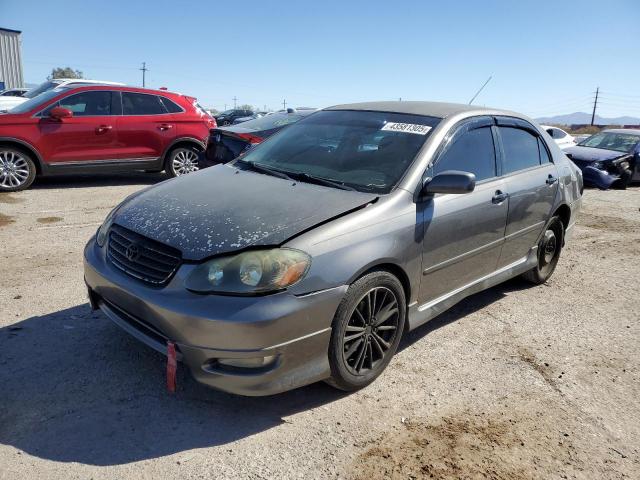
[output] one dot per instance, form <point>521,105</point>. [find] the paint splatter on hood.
<point>222,209</point>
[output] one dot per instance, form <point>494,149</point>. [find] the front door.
<point>145,128</point>
<point>88,136</point>
<point>531,183</point>
<point>463,233</point>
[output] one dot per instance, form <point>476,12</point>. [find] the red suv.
<point>101,128</point>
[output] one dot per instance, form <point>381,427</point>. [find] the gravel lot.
<point>517,382</point>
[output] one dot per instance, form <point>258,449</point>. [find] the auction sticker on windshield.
<point>407,128</point>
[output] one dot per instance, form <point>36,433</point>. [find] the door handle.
<point>103,128</point>
<point>551,180</point>
<point>499,197</point>
<point>164,126</point>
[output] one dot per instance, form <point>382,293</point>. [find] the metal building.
<point>10,59</point>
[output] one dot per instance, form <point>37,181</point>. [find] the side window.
<point>557,133</point>
<point>90,103</point>
<point>520,149</point>
<point>473,152</point>
<point>141,104</point>
<point>170,105</point>
<point>544,154</point>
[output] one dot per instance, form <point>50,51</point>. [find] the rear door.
<point>531,183</point>
<point>463,233</point>
<point>145,128</point>
<point>89,135</point>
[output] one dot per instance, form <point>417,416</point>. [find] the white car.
<point>7,103</point>
<point>562,138</point>
<point>13,92</point>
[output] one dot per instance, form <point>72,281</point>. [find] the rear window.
<point>170,105</point>
<point>368,151</point>
<point>141,104</point>
<point>520,149</point>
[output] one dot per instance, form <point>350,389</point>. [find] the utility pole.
<point>284,104</point>
<point>235,102</point>
<point>144,71</point>
<point>595,104</point>
<point>225,106</point>
<point>481,88</point>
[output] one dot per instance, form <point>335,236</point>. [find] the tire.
<point>182,160</point>
<point>362,345</point>
<point>549,249</point>
<point>17,170</point>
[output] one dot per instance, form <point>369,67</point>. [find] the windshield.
<point>226,112</point>
<point>36,101</point>
<point>368,151</point>
<point>620,142</point>
<point>272,121</point>
<point>43,87</point>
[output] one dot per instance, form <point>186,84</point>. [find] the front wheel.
<point>183,160</point>
<point>366,330</point>
<point>549,249</point>
<point>17,170</point>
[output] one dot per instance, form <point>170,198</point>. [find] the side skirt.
<point>421,314</point>
<point>101,166</point>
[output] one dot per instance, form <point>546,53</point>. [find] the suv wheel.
<point>366,330</point>
<point>17,170</point>
<point>183,160</point>
<point>548,252</point>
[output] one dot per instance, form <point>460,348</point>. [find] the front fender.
<point>598,178</point>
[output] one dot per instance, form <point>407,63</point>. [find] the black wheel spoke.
<point>371,330</point>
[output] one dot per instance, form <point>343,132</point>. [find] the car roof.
<point>85,80</point>
<point>124,88</point>
<point>431,109</point>
<point>632,131</point>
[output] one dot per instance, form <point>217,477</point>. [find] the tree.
<point>66,72</point>
<point>246,106</point>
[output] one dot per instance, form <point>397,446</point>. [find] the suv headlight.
<point>250,272</point>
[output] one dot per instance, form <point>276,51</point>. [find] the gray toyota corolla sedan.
<point>310,255</point>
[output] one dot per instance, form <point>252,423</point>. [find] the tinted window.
<point>141,104</point>
<point>544,154</point>
<point>520,149</point>
<point>87,103</point>
<point>171,106</point>
<point>557,133</point>
<point>473,152</point>
<point>621,142</point>
<point>369,151</point>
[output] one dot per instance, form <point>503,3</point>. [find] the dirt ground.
<point>517,382</point>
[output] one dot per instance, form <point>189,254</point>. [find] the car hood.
<point>588,154</point>
<point>223,209</point>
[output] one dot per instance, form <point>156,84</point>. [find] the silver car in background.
<point>310,255</point>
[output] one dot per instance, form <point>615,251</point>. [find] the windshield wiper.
<point>322,181</point>
<point>258,167</point>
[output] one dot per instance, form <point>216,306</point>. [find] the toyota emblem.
<point>132,252</point>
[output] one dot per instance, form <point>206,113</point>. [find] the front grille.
<point>142,258</point>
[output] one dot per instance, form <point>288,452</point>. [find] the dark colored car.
<point>308,257</point>
<point>227,143</point>
<point>229,116</point>
<point>608,159</point>
<point>100,128</point>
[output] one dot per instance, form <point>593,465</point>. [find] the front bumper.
<point>295,330</point>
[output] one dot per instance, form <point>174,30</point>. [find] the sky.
<point>544,57</point>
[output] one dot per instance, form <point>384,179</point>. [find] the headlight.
<point>103,230</point>
<point>596,164</point>
<point>254,271</point>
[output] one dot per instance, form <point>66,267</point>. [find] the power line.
<point>144,71</point>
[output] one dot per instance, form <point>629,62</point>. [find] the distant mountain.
<point>580,118</point>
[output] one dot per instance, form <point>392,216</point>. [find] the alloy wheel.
<point>371,330</point>
<point>185,161</point>
<point>14,169</point>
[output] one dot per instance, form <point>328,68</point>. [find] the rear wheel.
<point>367,329</point>
<point>17,170</point>
<point>549,249</point>
<point>183,160</point>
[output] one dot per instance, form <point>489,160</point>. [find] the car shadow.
<point>98,180</point>
<point>75,388</point>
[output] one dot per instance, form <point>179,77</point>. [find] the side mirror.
<point>60,112</point>
<point>450,181</point>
